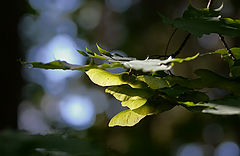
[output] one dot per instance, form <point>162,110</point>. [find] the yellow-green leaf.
<point>104,78</point>
<point>131,97</point>
<point>153,82</point>
<point>126,118</point>
<point>180,60</point>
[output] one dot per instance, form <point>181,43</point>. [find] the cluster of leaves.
<point>152,91</point>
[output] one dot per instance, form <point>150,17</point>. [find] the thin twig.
<point>175,30</point>
<point>158,56</point>
<point>182,45</point>
<point>226,46</point>
<point>222,38</point>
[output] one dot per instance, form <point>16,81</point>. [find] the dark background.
<point>147,35</point>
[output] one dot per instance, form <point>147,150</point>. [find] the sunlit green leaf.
<point>205,21</point>
<point>104,52</point>
<point>126,118</point>
<point>130,97</point>
<point>153,82</point>
<point>180,60</point>
<point>225,55</point>
<point>82,53</point>
<point>104,78</point>
<point>89,51</point>
<point>233,65</point>
<point>132,117</point>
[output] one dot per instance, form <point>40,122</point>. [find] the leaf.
<point>225,55</point>
<point>132,117</point>
<point>195,107</point>
<point>82,53</point>
<point>104,78</point>
<point>126,118</point>
<point>235,71</point>
<point>104,52</point>
<point>89,51</point>
<point>229,100</point>
<point>229,105</point>
<point>67,66</point>
<point>183,94</point>
<point>149,65</point>
<point>153,82</point>
<point>204,21</point>
<point>131,97</point>
<point>154,65</point>
<point>207,79</point>
<point>222,110</point>
<point>175,91</point>
<point>156,104</point>
<point>134,102</point>
<point>180,60</point>
<point>233,65</point>
<point>210,79</point>
<point>193,96</point>
<point>51,65</point>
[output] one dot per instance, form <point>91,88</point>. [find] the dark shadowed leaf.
<point>207,79</point>
<point>24,144</point>
<point>153,82</point>
<point>205,21</point>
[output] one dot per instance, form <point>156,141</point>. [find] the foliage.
<point>205,21</point>
<point>21,143</point>
<point>147,89</point>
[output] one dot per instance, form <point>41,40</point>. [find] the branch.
<point>226,46</point>
<point>222,38</point>
<point>158,56</point>
<point>175,30</point>
<point>182,45</point>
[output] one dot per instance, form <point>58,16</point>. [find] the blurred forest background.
<point>76,112</point>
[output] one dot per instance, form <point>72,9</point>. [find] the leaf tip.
<point>89,51</point>
<point>102,51</point>
<point>82,52</point>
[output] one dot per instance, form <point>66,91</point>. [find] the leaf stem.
<point>226,46</point>
<point>158,56</point>
<point>182,45</point>
<point>175,30</point>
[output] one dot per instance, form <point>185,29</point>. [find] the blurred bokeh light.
<point>77,111</point>
<point>190,150</point>
<point>227,148</point>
